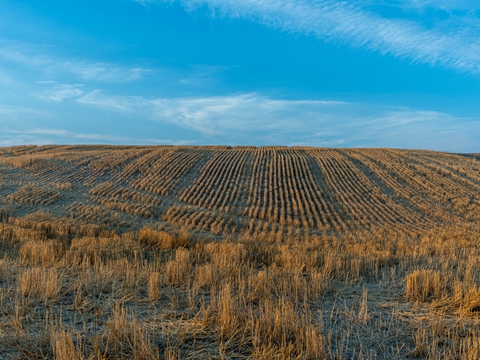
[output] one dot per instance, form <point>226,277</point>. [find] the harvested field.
<point>238,253</point>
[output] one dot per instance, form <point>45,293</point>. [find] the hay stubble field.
<point>111,252</point>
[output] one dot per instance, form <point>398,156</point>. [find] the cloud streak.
<point>61,92</point>
<point>250,119</point>
<point>261,120</point>
<point>43,136</point>
<point>121,103</point>
<point>360,27</point>
<point>442,4</point>
<point>39,57</point>
<point>237,113</point>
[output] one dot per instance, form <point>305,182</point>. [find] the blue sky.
<point>371,73</point>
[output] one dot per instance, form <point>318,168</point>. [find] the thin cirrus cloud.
<point>222,115</point>
<point>98,71</point>
<point>273,121</point>
<point>253,118</point>
<point>12,114</point>
<point>122,103</point>
<point>41,58</point>
<point>258,119</point>
<point>61,92</point>
<point>217,115</point>
<point>443,4</point>
<point>446,5</point>
<point>404,127</point>
<point>41,136</point>
<point>353,23</point>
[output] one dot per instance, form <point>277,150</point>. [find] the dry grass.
<point>365,296</point>
<point>38,283</point>
<point>243,253</point>
<point>423,285</point>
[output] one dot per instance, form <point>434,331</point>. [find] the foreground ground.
<point>271,253</point>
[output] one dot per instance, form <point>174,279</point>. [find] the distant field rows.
<point>274,191</point>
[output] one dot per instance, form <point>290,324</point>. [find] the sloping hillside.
<point>238,253</point>
<point>243,190</point>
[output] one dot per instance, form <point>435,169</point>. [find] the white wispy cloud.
<point>32,55</point>
<point>201,75</point>
<point>42,136</point>
<point>98,71</point>
<point>61,92</point>
<point>10,113</point>
<point>397,127</point>
<point>39,131</point>
<point>122,103</point>
<point>360,27</point>
<point>230,114</point>
<point>262,120</point>
<point>218,115</point>
<point>443,4</point>
<point>40,57</point>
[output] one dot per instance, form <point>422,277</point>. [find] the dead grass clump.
<point>102,249</point>
<point>226,309</point>
<point>466,298</point>
<point>227,257</point>
<point>96,281</point>
<point>45,253</point>
<point>425,285</point>
<point>64,348</point>
<point>7,270</point>
<point>261,286</point>
<point>154,239</point>
<point>258,253</point>
<point>41,283</point>
<point>320,284</point>
<point>292,260</point>
<point>442,338</point>
<point>178,271</point>
<point>127,338</point>
<point>269,329</point>
<point>206,275</point>
<point>469,348</point>
<point>154,286</point>
<point>133,274</point>
<point>279,326</point>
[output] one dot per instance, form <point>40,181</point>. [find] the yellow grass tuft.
<point>39,283</point>
<point>154,285</point>
<point>425,285</point>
